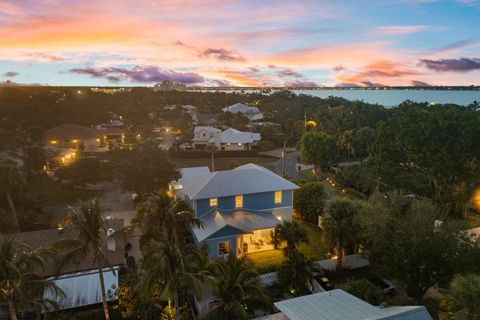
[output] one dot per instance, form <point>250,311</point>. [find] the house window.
<point>223,248</point>
<point>238,201</point>
<point>213,202</point>
<point>278,196</point>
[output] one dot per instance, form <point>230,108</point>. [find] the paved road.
<point>291,160</point>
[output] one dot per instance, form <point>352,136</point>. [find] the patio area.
<point>270,260</point>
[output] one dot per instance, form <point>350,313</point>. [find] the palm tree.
<point>296,274</point>
<point>170,264</point>
<point>339,225</point>
<point>12,179</point>
<point>293,233</point>
<point>238,289</point>
<point>162,218</point>
<point>91,226</point>
<point>21,286</point>
<point>174,271</point>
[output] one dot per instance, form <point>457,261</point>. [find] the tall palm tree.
<point>21,286</point>
<point>12,179</point>
<point>293,233</point>
<point>170,264</point>
<point>238,289</point>
<point>91,226</point>
<point>162,218</point>
<point>339,225</point>
<point>173,271</point>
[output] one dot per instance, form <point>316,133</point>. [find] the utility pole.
<point>283,157</point>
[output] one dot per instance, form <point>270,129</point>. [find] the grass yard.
<point>224,163</point>
<point>269,261</point>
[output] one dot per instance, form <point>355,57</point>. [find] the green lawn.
<point>269,261</point>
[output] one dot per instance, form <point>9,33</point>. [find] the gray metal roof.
<point>340,305</point>
<point>235,136</point>
<point>246,179</point>
<point>245,221</point>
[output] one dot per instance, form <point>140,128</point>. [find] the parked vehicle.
<point>321,284</point>
<point>383,284</point>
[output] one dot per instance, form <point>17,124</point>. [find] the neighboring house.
<point>80,280</point>
<point>252,113</point>
<point>230,139</point>
<point>233,139</point>
<point>340,305</point>
<point>206,118</point>
<point>202,135</point>
<point>239,207</point>
<point>74,136</point>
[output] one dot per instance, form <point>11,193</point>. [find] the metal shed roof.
<point>340,305</point>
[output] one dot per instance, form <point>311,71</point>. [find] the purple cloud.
<point>45,57</point>
<point>346,85</point>
<point>372,84</point>
<point>11,74</point>
<point>301,84</point>
<point>9,83</point>
<point>221,83</point>
<point>338,68</point>
<point>417,83</point>
<point>222,54</point>
<point>287,72</point>
<point>142,74</point>
<point>458,65</point>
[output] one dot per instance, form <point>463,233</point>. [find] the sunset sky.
<point>240,43</point>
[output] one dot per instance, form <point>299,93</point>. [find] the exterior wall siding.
<point>213,245</point>
<point>254,201</point>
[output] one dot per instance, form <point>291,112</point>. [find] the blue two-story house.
<point>239,207</point>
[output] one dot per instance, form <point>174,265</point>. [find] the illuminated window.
<point>223,248</point>
<point>238,201</point>
<point>278,196</point>
<point>53,141</point>
<point>213,202</point>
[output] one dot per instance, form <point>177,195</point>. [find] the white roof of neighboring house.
<point>340,305</point>
<point>255,117</point>
<point>240,107</point>
<point>246,179</point>
<point>207,128</point>
<point>243,220</point>
<point>83,288</point>
<point>235,136</point>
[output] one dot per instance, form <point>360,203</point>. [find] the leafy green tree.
<point>319,149</point>
<point>361,141</point>
<point>309,201</point>
<point>142,170</point>
<point>238,289</point>
<point>21,285</point>
<point>339,225</point>
<point>362,289</point>
<point>92,227</point>
<point>430,150</point>
<point>292,232</point>
<point>403,242</point>
<point>296,274</point>
<point>84,171</point>
<point>12,180</point>
<point>465,292</point>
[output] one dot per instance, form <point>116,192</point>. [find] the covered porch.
<point>256,241</point>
